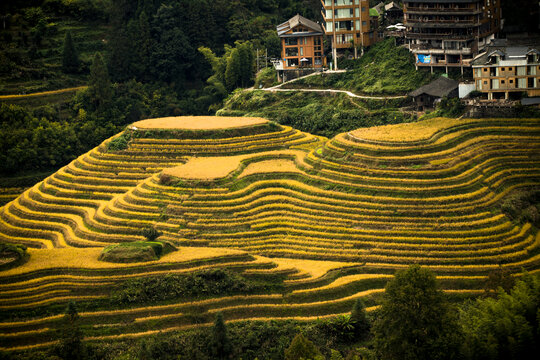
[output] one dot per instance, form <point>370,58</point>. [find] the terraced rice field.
<point>335,217</point>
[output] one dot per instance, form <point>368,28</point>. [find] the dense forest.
<point>140,59</point>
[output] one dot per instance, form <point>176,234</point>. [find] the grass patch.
<point>319,114</point>
<point>385,69</point>
<point>204,283</point>
<point>137,251</point>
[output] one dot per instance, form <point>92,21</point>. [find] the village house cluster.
<point>441,34</point>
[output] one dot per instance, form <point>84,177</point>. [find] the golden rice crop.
<point>198,122</point>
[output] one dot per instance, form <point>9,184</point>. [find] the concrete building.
<point>450,33</point>
<point>505,71</point>
<point>347,22</point>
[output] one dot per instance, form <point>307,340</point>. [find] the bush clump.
<point>523,206</point>
<point>210,282</point>
<point>120,143</point>
<point>12,255</point>
<point>137,251</point>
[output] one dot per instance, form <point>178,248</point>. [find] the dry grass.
<point>198,122</point>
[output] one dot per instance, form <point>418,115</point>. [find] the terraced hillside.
<point>331,220</point>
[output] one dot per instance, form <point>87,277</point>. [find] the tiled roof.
<point>439,87</point>
<point>298,20</point>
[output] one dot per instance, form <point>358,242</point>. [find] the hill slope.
<point>332,219</point>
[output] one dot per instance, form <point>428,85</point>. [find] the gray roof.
<point>379,7</point>
<point>502,48</point>
<point>299,20</point>
<point>439,87</point>
<point>391,5</point>
<point>530,101</point>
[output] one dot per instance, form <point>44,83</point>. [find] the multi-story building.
<point>347,22</point>
<point>450,33</point>
<point>301,46</point>
<point>503,71</point>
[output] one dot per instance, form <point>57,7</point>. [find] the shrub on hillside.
<point>210,282</point>
<point>12,255</point>
<point>138,251</point>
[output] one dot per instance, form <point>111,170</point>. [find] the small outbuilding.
<point>426,96</point>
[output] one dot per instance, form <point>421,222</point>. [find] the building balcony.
<point>441,10</point>
<point>437,36</point>
<point>417,23</point>
<point>418,48</point>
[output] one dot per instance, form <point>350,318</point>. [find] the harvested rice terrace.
<point>334,218</point>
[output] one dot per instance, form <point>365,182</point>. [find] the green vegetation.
<point>504,327</point>
<point>302,349</point>
<point>198,284</point>
<point>383,70</point>
<point>221,344</point>
<point>71,346</point>
<point>523,206</point>
<point>415,321</point>
<point>266,78</point>
<point>12,255</point>
<point>319,114</point>
<point>137,251</point>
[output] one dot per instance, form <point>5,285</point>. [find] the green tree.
<point>144,47</point>
<point>150,233</point>
<point>415,321</point>
<point>70,58</point>
<point>302,349</point>
<point>359,319</point>
<point>233,70</point>
<point>71,346</point>
<point>335,355</point>
<point>506,327</point>
<point>221,344</point>
<point>99,86</point>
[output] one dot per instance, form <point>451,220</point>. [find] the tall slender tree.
<point>70,58</point>
<point>221,344</point>
<point>71,346</point>
<point>99,86</point>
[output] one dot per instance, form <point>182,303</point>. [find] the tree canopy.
<point>415,321</point>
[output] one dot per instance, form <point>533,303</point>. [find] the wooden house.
<point>301,44</point>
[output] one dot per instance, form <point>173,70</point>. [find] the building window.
<point>522,70</point>
<point>502,69</point>
<point>522,83</point>
<point>510,68</point>
<point>502,81</point>
<point>485,82</point>
<point>302,51</point>
<point>291,52</point>
<point>292,62</point>
<point>291,41</point>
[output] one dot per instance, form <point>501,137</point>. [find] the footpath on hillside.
<point>349,93</point>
